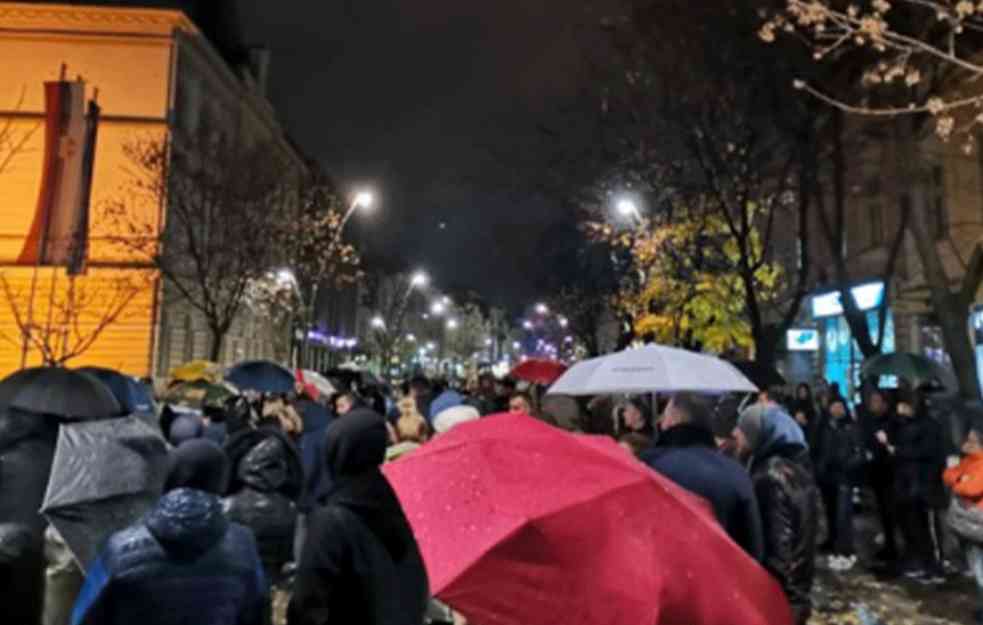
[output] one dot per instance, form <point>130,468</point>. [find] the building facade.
<point>157,76</point>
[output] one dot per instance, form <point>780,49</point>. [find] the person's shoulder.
<point>130,547</point>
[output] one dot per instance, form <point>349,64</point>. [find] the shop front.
<point>840,355</point>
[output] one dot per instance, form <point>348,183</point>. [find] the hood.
<point>775,439</point>
<point>264,467</point>
<point>187,522</point>
<point>355,444</point>
<point>265,460</point>
<point>370,497</point>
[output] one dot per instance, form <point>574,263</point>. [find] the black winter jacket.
<point>688,456</point>
<point>267,480</point>
<point>843,453</point>
<point>880,470</point>
<point>361,563</point>
<point>919,460</point>
<point>787,494</point>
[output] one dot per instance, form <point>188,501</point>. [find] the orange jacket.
<point>966,478</point>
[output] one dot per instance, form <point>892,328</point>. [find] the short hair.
<point>526,397</point>
<point>697,409</point>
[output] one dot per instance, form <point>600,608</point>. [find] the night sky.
<point>424,100</point>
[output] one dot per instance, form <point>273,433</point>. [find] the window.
<point>940,214</point>
<point>876,215</point>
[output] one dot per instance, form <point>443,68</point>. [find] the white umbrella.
<point>323,386</point>
<point>652,369</point>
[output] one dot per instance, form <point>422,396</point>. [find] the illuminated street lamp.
<point>542,309</point>
<point>527,324</point>
<point>378,323</point>
<point>452,324</point>
<point>627,208</point>
<point>564,322</point>
<point>411,338</point>
<point>516,345</point>
<point>419,279</point>
<point>438,308</point>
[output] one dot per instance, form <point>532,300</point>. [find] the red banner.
<point>62,208</point>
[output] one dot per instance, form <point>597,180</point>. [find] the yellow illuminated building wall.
<point>155,74</point>
<point>128,56</point>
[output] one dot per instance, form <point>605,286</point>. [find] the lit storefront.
<point>840,356</point>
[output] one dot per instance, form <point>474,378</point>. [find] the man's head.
<point>343,403</point>
<point>198,464</point>
<point>520,403</point>
<point>419,386</point>
<point>837,409</point>
<point>876,403</point>
<point>973,443</point>
<point>689,409</point>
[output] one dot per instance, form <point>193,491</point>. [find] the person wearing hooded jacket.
<point>361,563</point>
<point>781,472</point>
<point>184,562</point>
<point>266,482</point>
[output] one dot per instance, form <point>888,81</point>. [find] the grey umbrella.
<point>71,395</point>
<point>106,474</point>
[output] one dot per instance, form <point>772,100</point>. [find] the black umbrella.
<point>762,376</point>
<point>261,375</point>
<point>71,395</point>
<point>134,397</point>
<point>105,476</point>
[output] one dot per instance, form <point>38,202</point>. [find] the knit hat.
<point>198,464</point>
<point>752,423</point>
<point>185,428</point>
<point>453,417</point>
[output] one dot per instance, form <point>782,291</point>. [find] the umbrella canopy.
<point>318,381</point>
<point>70,395</point>
<point>198,394</point>
<point>917,370</point>
<point>262,376</point>
<point>106,474</point>
<point>571,528</point>
<point>134,397</point>
<point>538,371</point>
<point>652,369</point>
<point>762,376</point>
<point>197,370</point>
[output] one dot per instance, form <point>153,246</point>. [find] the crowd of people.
<point>266,491</point>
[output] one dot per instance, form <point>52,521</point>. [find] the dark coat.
<point>842,453</point>
<point>687,455</point>
<point>786,490</point>
<point>27,448</point>
<point>184,563</point>
<point>880,469</point>
<point>919,460</point>
<point>316,421</point>
<point>267,480</point>
<point>361,563</point>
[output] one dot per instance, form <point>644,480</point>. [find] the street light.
<point>363,199</point>
<point>411,338</point>
<point>378,322</point>
<point>527,324</point>
<point>438,308</point>
<point>286,277</point>
<point>542,309</point>
<point>452,324</point>
<point>564,322</point>
<point>419,279</point>
<point>627,208</point>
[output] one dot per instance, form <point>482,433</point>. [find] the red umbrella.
<point>523,524</point>
<point>538,371</point>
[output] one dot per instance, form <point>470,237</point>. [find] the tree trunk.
<point>217,342</point>
<point>766,347</point>
<point>951,308</point>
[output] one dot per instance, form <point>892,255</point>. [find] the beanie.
<point>198,464</point>
<point>751,424</point>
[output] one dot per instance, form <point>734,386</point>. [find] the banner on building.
<point>59,230</point>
